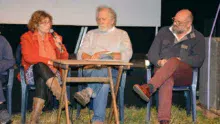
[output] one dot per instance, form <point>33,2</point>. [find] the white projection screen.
<point>143,13</point>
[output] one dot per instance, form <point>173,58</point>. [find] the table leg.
<point>63,96</point>
<point>116,91</point>
<point>113,96</point>
<point>67,109</point>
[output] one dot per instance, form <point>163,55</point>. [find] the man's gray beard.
<point>102,29</point>
<point>176,31</point>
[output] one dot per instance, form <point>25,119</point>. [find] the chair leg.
<point>68,91</point>
<point>193,98</point>
<point>121,105</point>
<point>121,96</point>
<point>148,111</point>
<point>9,90</point>
<point>68,97</point>
<point>149,106</point>
<point>188,102</point>
<point>9,99</point>
<point>24,98</point>
<point>148,77</point>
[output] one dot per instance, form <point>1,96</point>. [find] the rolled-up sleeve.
<point>85,46</point>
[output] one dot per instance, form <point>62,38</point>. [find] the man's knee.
<point>174,61</point>
<point>105,86</point>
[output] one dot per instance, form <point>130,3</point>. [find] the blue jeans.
<point>100,91</point>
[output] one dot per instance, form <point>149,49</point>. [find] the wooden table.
<point>65,64</point>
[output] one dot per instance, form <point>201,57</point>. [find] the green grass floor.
<point>133,115</point>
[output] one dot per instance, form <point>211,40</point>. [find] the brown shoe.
<point>83,97</point>
<point>38,105</point>
<point>164,122</point>
<point>143,91</point>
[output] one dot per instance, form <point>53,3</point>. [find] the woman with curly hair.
<point>39,47</point>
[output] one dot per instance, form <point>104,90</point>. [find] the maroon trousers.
<point>174,72</point>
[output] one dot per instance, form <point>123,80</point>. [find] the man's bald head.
<point>182,21</point>
<point>185,15</point>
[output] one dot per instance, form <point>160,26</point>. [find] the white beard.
<point>104,29</point>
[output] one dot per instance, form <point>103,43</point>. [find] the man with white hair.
<point>106,42</point>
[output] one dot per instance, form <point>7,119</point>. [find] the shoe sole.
<point>140,93</point>
<point>80,99</point>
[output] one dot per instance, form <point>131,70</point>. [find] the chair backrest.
<point>195,77</point>
<point>193,85</point>
<point>18,55</point>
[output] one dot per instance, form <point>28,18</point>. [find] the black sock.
<point>151,86</point>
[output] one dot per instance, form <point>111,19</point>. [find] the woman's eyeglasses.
<point>45,22</point>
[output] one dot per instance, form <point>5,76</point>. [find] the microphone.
<point>54,35</point>
<point>52,32</point>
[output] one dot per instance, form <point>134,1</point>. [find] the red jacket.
<point>30,50</point>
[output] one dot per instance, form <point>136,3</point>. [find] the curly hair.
<point>110,10</point>
<point>36,18</point>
